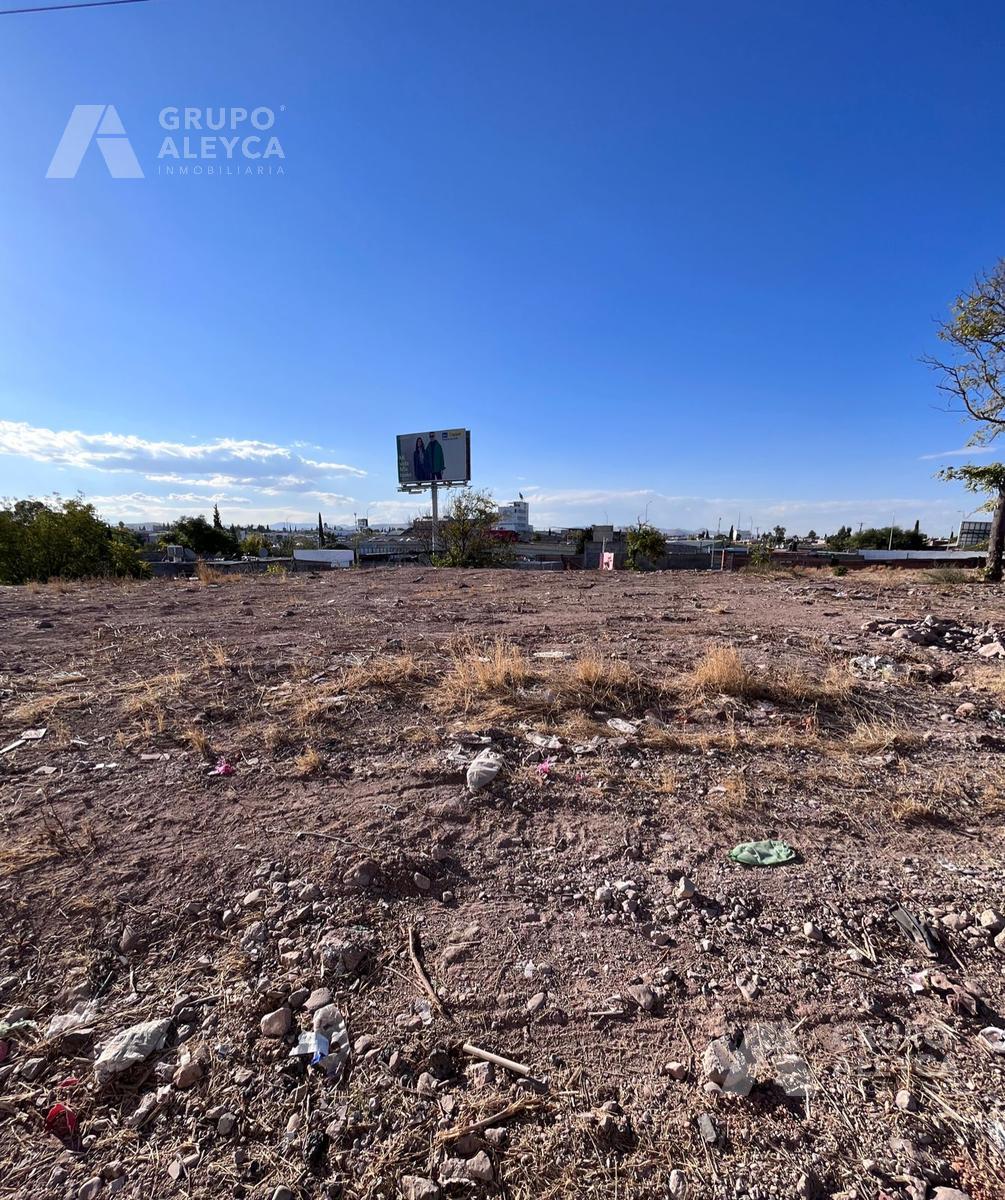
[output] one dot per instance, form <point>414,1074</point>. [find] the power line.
<point>12,12</point>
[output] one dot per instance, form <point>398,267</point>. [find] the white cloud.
<point>580,507</point>
<point>220,462</point>
<point>963,452</point>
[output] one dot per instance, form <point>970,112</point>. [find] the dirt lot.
<point>250,790</point>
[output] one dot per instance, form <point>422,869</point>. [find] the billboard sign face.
<point>442,456</point>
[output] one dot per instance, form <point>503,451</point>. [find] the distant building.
<point>973,533</point>
<point>515,517</point>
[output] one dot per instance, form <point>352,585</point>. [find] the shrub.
<point>646,546</point>
<point>42,540</point>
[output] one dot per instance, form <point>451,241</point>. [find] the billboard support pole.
<point>434,488</point>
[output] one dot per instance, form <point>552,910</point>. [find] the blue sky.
<point>654,254</point>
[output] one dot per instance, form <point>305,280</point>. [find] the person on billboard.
<point>434,458</point>
<point>420,461</point>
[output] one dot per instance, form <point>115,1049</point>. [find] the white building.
<point>515,517</point>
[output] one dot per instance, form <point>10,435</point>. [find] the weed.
<point>722,672</point>
<point>308,762</point>
<point>207,574</point>
<point>198,739</point>
<point>873,736</point>
<point>911,811</point>
<point>950,576</point>
<point>495,672</point>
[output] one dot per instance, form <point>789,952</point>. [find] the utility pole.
<point>434,487</point>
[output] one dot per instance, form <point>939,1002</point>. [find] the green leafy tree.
<point>811,536</point>
<point>321,533</point>
<point>840,540</point>
<point>217,523</point>
<point>253,545</point>
<point>778,533</point>
<point>989,481</point>
<point>466,531</point>
<point>64,538</point>
<point>197,535</point>
<point>880,539</point>
<point>972,375</point>
<point>645,546</point>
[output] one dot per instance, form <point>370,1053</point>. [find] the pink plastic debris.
<point>222,768</point>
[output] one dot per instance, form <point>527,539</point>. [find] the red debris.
<point>61,1121</point>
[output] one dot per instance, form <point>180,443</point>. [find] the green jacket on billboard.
<point>434,455</point>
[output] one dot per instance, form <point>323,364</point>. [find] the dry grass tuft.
<point>595,680</point>
<point>308,762</point>
<point>395,673</point>
<point>722,672</point>
<point>148,698</point>
<point>910,810</point>
<point>198,739</point>
<point>951,576</point>
<point>28,712</point>
<point>53,587</point>
<point>665,781</point>
<point>873,736</point>
<point>479,674</point>
<point>276,737</point>
<point>736,799</point>
<point>215,656</point>
<point>206,573</point>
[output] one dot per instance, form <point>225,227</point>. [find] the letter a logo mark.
<point>100,123</point>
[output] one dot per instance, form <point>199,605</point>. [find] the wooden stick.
<point>497,1059</point>
<point>524,1104</point>
<point>414,953</point>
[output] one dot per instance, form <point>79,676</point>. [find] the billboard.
<point>443,455</point>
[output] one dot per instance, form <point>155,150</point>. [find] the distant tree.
<point>645,546</point>
<point>420,531</point>
<point>840,540</point>
<point>988,480</point>
<point>465,533</point>
<point>253,545</point>
<point>321,533</point>
<point>42,540</point>
<point>811,536</point>
<point>217,523</point>
<point>880,539</point>
<point>779,534</point>
<point>197,535</point>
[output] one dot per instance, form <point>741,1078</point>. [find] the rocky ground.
<point>263,922</point>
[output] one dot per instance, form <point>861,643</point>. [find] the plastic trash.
<point>222,767</point>
<point>80,1019</point>
<point>994,1039</point>
<point>484,767</point>
<point>769,853</point>
<point>129,1047</point>
<point>327,1043</point>
<point>544,741</point>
